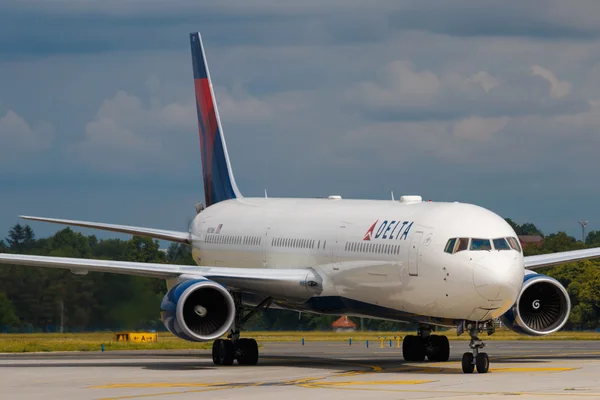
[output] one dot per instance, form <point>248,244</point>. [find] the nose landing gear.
<point>476,359</point>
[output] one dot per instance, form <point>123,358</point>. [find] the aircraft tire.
<point>226,352</point>
<point>247,352</point>
<point>483,363</point>
<point>215,351</point>
<point>440,348</point>
<point>467,363</point>
<point>413,348</point>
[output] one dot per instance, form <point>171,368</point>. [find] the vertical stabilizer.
<point>219,183</point>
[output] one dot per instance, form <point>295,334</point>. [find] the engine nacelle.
<point>198,310</point>
<point>543,307</point>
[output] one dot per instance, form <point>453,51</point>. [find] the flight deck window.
<point>480,244</point>
<point>450,246</point>
<point>501,244</point>
<point>514,243</point>
<point>463,244</point>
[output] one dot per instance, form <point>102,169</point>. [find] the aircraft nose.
<point>497,277</point>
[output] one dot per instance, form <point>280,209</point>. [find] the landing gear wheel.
<point>247,352</point>
<point>413,348</point>
<point>467,363</point>
<point>215,351</point>
<point>439,348</point>
<point>482,362</point>
<point>225,355</point>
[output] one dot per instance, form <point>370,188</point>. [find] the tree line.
<point>45,299</point>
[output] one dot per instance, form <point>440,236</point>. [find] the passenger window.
<point>514,243</point>
<point>463,244</point>
<point>501,244</point>
<point>450,246</point>
<point>480,244</point>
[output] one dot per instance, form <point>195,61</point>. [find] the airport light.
<point>583,226</point>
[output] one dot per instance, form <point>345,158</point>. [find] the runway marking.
<point>360,383</point>
<point>325,381</point>
<point>456,392</point>
<point>157,385</point>
<point>532,369</point>
<point>137,396</point>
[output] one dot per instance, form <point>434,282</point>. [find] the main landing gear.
<point>416,347</point>
<point>477,359</point>
<point>244,350</point>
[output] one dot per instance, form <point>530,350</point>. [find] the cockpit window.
<point>480,244</point>
<point>514,243</point>
<point>463,244</point>
<point>450,246</point>
<point>501,244</point>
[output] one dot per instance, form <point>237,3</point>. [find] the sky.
<point>487,102</point>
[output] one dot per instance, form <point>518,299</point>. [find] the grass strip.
<point>48,342</point>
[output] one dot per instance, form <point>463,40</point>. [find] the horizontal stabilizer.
<point>172,236</point>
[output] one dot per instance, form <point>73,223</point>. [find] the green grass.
<point>22,343</point>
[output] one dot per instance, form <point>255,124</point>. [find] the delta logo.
<point>393,230</point>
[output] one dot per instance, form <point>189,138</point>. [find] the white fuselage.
<point>372,254</point>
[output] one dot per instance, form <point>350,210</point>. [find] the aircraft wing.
<point>293,284</point>
<point>173,236</point>
<point>547,260</point>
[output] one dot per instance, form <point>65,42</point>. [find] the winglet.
<point>219,183</point>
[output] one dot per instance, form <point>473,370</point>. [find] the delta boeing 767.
<point>430,263</point>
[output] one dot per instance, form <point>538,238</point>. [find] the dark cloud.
<point>483,102</point>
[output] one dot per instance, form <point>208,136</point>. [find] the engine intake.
<point>198,310</point>
<point>543,307</point>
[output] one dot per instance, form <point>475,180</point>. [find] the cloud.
<point>18,139</point>
<point>127,136</point>
<point>399,83</point>
<point>557,88</point>
<point>478,128</point>
<point>484,79</point>
<point>312,101</point>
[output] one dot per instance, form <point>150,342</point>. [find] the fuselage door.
<point>413,254</point>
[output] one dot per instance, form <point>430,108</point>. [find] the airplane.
<point>436,264</point>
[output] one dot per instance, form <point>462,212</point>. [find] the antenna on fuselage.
<point>266,197</point>
<point>393,195</point>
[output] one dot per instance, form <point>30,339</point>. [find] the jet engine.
<point>198,310</point>
<point>543,307</point>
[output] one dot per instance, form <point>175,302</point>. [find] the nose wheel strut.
<point>476,359</point>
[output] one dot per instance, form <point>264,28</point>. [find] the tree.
<point>16,237</point>
<point>29,237</point>
<point>529,229</point>
<point>143,249</point>
<point>7,313</point>
<point>525,229</point>
<point>178,253</point>
<point>560,241</point>
<point>593,239</point>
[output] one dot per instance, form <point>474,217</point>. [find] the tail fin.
<point>219,183</point>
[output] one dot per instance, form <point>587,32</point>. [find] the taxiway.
<point>530,369</point>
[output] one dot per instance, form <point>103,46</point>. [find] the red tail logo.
<point>369,234</point>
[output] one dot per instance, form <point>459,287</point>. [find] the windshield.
<point>455,245</point>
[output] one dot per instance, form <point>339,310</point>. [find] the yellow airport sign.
<point>138,337</point>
